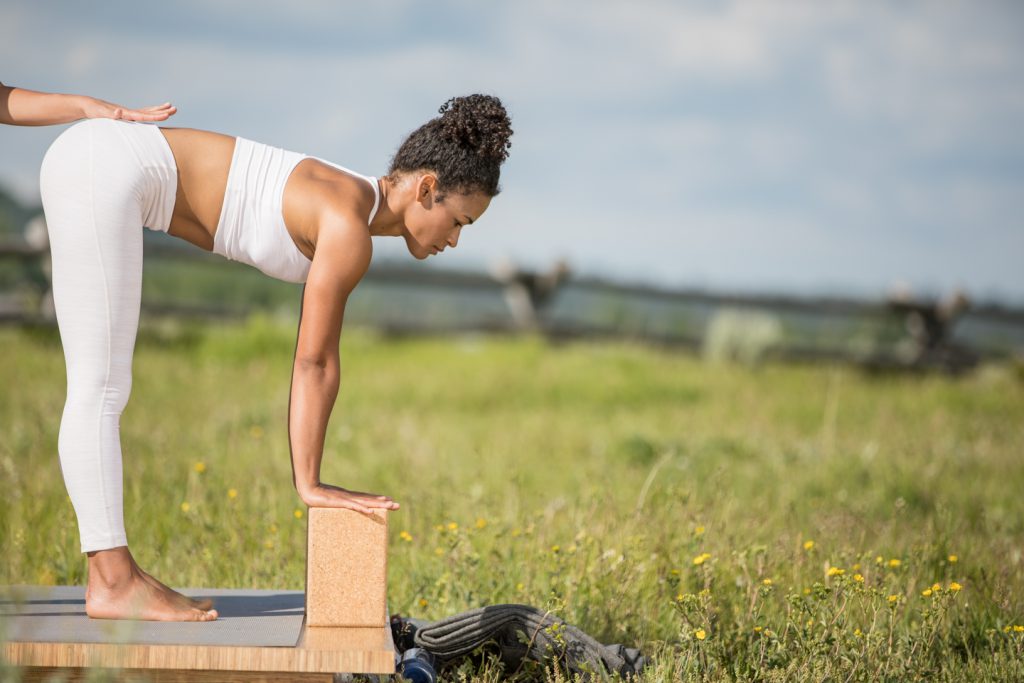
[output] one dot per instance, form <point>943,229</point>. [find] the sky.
<point>807,147</point>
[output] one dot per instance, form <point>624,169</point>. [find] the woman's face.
<point>431,226</point>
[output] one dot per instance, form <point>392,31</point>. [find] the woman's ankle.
<point>110,568</point>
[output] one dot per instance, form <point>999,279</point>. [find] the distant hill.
<point>14,214</point>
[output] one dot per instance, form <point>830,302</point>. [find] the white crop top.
<point>251,228</point>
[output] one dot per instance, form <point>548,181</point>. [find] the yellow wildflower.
<point>893,599</point>
<point>808,545</point>
<point>878,560</point>
<point>556,548</point>
<point>702,558</point>
<point>952,559</point>
<point>232,493</point>
<point>757,629</point>
<point>954,586</point>
<point>807,591</point>
<point>297,513</point>
<point>836,571</point>
<point>1017,628</point>
<point>936,587</point>
<point>895,563</point>
<point>185,507</point>
<point>857,632</point>
<point>405,535</point>
<point>926,592</point>
<point>767,582</point>
<point>701,635</point>
<point>199,467</point>
<point>452,526</point>
<point>856,567</point>
<point>481,522</point>
<point>520,587</point>
<point>423,602</point>
<point>674,572</point>
<point>859,578</point>
<point>698,530</point>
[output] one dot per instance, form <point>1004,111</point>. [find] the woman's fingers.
<point>374,501</point>
<point>326,495</point>
<point>351,505</point>
<point>372,496</point>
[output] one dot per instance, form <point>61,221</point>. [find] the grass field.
<point>779,523</point>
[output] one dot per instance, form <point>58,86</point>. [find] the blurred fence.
<point>416,298</point>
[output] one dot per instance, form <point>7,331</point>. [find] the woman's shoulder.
<point>342,195</point>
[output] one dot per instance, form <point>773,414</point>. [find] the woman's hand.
<point>327,496</point>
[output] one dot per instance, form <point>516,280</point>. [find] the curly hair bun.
<point>477,122</point>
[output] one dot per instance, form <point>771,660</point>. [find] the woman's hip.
<point>101,169</point>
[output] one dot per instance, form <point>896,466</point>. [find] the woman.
<point>20,107</point>
<point>296,218</point>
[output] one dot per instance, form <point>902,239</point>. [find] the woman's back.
<point>203,159</point>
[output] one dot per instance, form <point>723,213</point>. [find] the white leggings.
<point>101,182</point>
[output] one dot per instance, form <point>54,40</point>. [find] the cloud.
<point>847,141</point>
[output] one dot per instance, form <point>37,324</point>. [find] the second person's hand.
<point>96,109</point>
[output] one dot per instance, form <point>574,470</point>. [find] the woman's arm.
<point>340,261</point>
<point>20,107</point>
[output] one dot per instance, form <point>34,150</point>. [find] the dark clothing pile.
<point>520,632</point>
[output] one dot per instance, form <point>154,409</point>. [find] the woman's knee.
<point>89,389</point>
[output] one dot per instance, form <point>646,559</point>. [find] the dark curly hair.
<point>465,146</point>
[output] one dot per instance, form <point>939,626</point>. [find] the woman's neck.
<point>389,221</point>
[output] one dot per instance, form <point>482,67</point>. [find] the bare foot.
<point>119,589</point>
<point>203,603</point>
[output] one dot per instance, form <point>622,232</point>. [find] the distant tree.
<point>13,214</point>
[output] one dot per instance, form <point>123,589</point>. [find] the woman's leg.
<point>91,195</point>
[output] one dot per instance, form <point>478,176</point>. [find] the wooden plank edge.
<point>35,674</point>
<point>200,657</point>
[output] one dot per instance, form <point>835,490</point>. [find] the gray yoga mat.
<point>56,614</point>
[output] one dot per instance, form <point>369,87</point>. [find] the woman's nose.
<point>453,238</point>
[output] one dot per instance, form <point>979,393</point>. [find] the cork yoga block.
<point>346,568</point>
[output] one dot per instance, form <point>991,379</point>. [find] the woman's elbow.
<point>321,367</point>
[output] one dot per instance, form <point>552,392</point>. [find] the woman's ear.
<point>425,189</point>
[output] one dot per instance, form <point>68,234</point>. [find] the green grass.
<point>581,478</point>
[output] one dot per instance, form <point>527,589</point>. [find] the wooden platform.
<point>258,633</point>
